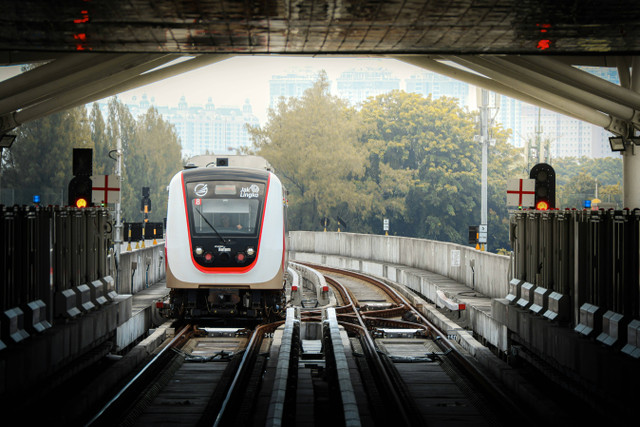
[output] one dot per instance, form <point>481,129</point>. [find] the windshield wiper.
<point>224,242</point>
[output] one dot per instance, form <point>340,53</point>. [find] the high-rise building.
<point>290,85</point>
<point>212,129</point>
<point>356,85</point>
<point>436,85</point>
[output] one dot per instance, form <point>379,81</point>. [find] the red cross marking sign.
<point>521,192</point>
<point>106,189</point>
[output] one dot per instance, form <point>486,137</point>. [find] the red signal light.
<point>81,203</point>
<point>542,205</point>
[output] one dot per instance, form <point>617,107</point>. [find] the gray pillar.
<point>631,156</point>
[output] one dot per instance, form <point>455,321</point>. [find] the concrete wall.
<point>141,268</point>
<point>489,275</point>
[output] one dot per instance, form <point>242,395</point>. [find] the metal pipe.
<point>46,85</point>
<point>631,159</point>
<point>585,113</point>
<point>70,99</point>
<point>480,81</point>
<point>135,82</point>
<point>579,78</point>
<point>484,142</point>
<point>529,76</point>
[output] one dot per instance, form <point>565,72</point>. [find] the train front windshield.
<point>225,207</point>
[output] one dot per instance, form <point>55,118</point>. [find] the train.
<point>225,239</point>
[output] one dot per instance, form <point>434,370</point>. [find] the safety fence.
<point>584,263</point>
<point>54,264</point>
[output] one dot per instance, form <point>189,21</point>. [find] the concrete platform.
<point>71,344</point>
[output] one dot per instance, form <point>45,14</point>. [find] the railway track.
<point>201,377</point>
<point>370,360</point>
<point>421,376</point>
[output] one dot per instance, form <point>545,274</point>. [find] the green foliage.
<point>428,145</point>
<point>313,145</point>
<point>156,157</point>
<point>426,165</point>
<point>151,156</point>
<point>404,157</point>
<point>576,180</point>
<point>40,160</point>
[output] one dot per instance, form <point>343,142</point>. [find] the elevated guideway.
<point>586,348</point>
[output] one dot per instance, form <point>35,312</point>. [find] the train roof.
<point>239,161</point>
<point>226,173</point>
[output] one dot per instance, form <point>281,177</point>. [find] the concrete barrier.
<point>141,268</point>
<point>485,272</point>
<point>312,279</point>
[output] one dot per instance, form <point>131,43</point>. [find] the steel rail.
<point>395,297</point>
<point>178,340</point>
<point>407,416</point>
<point>243,369</point>
<point>442,341</point>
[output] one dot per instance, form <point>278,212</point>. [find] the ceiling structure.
<point>524,49</point>
<point>321,26</point>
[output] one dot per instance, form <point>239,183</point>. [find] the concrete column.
<point>631,156</point>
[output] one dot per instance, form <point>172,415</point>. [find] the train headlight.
<point>199,250</point>
<point>251,251</point>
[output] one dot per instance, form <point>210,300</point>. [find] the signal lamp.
<point>545,185</point>
<point>542,205</point>
<point>81,203</point>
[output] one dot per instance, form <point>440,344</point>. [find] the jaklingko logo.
<point>250,192</point>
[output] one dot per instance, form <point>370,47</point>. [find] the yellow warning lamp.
<point>542,205</point>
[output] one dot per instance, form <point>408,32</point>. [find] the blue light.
<point>587,204</point>
<point>36,199</point>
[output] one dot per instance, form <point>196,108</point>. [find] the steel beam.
<point>584,113</point>
<point>428,63</point>
<point>576,77</point>
<point>88,73</point>
<point>70,99</point>
<point>148,78</point>
<point>549,84</point>
<point>51,71</point>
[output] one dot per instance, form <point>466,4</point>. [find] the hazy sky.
<point>232,81</point>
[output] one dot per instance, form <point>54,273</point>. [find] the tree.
<point>313,145</point>
<point>103,164</point>
<point>576,180</point>
<point>40,160</point>
<point>505,162</point>
<point>121,125</point>
<point>425,166</point>
<point>156,156</point>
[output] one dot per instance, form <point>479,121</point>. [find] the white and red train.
<point>225,239</point>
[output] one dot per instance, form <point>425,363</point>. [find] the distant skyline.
<point>232,81</point>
